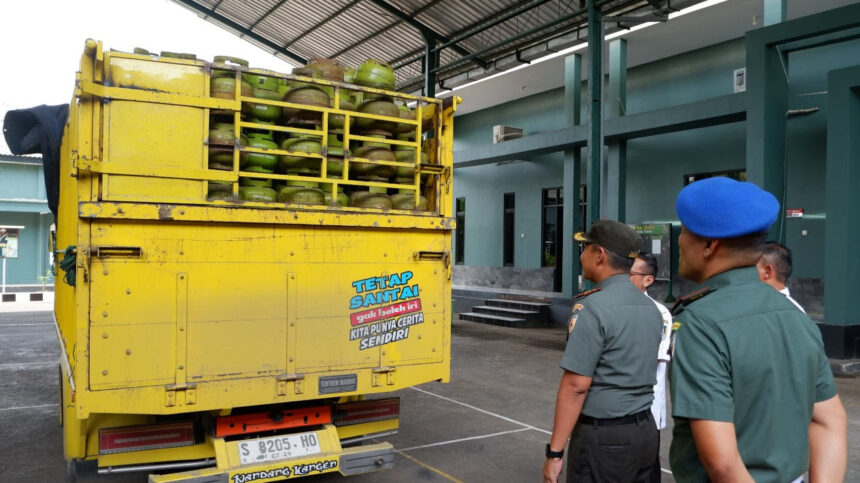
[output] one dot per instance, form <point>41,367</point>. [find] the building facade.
<point>24,212</point>
<point>667,123</point>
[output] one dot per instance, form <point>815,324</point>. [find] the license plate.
<point>278,448</point>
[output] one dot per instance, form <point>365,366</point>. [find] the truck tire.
<point>80,468</point>
<point>72,471</point>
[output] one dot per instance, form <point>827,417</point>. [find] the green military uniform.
<point>744,354</point>
<point>614,335</point>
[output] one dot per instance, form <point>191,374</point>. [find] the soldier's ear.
<point>710,248</point>
<point>767,271</point>
<point>601,254</point>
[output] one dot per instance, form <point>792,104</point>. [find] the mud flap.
<point>364,459</point>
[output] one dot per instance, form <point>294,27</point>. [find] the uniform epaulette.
<point>690,298</point>
<point>586,293</point>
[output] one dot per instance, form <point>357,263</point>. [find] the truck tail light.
<point>366,411</point>
<point>137,438</point>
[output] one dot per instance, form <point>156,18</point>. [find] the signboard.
<point>8,242</point>
<point>794,213</point>
<point>657,240</point>
<point>737,174</point>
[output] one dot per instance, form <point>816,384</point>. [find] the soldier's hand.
<point>552,469</point>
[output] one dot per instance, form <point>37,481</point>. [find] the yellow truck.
<point>210,334</point>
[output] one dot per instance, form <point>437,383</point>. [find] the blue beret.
<point>721,207</point>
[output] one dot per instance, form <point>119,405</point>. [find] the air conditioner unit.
<point>504,133</point>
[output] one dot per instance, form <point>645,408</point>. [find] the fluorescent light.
<point>695,8</point>
<point>621,33</point>
<point>569,50</point>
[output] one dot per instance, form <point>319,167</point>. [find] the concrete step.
<point>497,320</point>
<point>532,316</point>
<point>541,307</point>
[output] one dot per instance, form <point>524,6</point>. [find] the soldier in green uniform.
<point>752,393</point>
<point>606,391</point>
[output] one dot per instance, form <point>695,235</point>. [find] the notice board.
<point>657,240</point>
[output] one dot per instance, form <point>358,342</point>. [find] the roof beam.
<point>474,29</point>
<point>191,4</point>
<point>321,23</point>
<point>277,6</point>
<point>399,20</point>
<point>521,35</point>
<point>425,30</point>
<point>482,26</point>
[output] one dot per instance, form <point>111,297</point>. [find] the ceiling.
<point>500,44</point>
<point>470,38</point>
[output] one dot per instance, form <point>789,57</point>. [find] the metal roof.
<point>472,38</point>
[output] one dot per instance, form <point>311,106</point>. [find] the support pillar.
<point>841,330</point>
<point>572,164</point>
<point>775,11</point>
<point>615,183</point>
<point>767,88</point>
<point>431,62</point>
<point>595,121</point>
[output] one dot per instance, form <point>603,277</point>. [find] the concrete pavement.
<point>489,424</point>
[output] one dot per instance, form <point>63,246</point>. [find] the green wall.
<point>22,181</point>
<point>23,203</point>
<point>684,78</point>
<point>484,188</point>
<point>537,113</point>
<point>32,261</point>
<point>656,164</point>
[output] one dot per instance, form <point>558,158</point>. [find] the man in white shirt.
<point>642,276</point>
<point>774,268</point>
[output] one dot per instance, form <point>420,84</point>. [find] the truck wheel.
<point>72,471</point>
<point>79,468</point>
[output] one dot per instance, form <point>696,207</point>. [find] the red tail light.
<point>366,411</point>
<point>137,438</point>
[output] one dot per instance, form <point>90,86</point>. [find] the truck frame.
<point>232,340</point>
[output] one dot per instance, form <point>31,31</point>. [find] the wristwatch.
<point>553,454</point>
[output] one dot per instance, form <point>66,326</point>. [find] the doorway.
<point>552,220</point>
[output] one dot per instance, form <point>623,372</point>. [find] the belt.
<point>629,419</point>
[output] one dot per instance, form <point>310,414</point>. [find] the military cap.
<point>614,236</point>
<point>721,207</point>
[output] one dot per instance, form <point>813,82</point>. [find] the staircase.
<point>511,311</point>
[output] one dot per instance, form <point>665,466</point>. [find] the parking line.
<point>442,443</point>
<point>23,364</point>
<point>525,426</point>
<point>529,426</point>
<point>434,470</point>
<point>14,325</point>
<point>29,407</point>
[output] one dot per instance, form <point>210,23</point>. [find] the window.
<point>508,234</point>
<point>460,234</point>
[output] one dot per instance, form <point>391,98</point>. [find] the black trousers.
<point>657,471</point>
<point>613,454</point>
